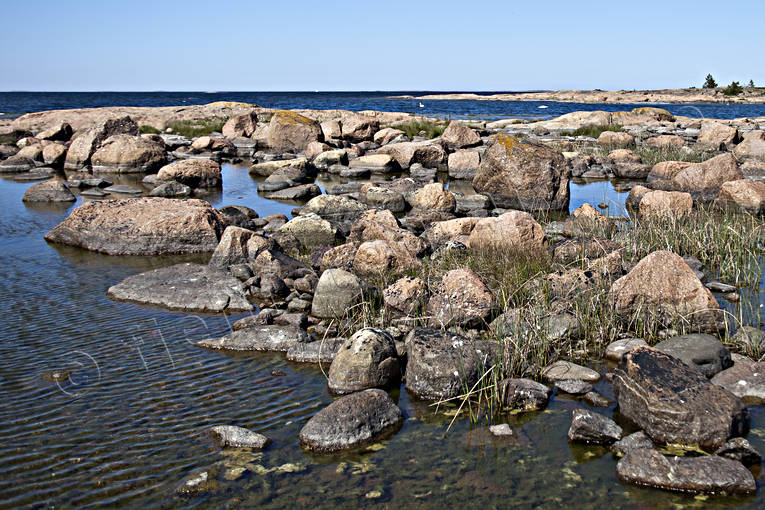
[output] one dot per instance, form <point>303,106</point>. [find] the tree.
<point>710,82</point>
<point>751,84</point>
<point>733,89</point>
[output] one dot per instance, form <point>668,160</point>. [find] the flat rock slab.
<point>238,437</point>
<point>315,352</point>
<point>352,421</point>
<point>562,370</point>
<point>703,352</point>
<point>615,350</point>
<point>745,380</point>
<point>187,287</point>
<point>573,386</point>
<point>645,466</point>
<point>141,226</point>
<point>124,189</point>
<point>674,403</point>
<point>258,338</point>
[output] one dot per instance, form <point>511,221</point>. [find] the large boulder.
<point>704,180</point>
<point>290,131</point>
<point>352,421</point>
<point>141,226</point>
<point>674,403</point>
<point>241,126</point>
<point>196,173</point>
<point>357,128</point>
<point>185,287</point>
<point>663,291</point>
<point>463,164</point>
<point>376,224</point>
<point>513,231</point>
<point>340,210</point>
<point>433,196</point>
<point>458,229</point>
<point>49,191</point>
<point>666,204</point>
<point>462,299</point>
<point>525,176</point>
<point>311,230</point>
<point>86,144</point>
<point>428,154</point>
<point>703,352</point>
<point>752,147</point>
<point>646,466</point>
<point>380,258</point>
<point>742,195</point>
<point>667,170</point>
<point>717,136</point>
<point>368,359</point>
<point>258,338</point>
<point>238,246</point>
<point>127,154</point>
<point>54,155</point>
<point>337,292</point>
<point>458,136</point>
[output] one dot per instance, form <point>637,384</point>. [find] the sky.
<point>281,45</point>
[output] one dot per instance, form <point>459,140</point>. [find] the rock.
<point>573,386</point>
<point>573,250</point>
<point>511,232</point>
<point>472,204</point>
<point>674,403</point>
<point>239,216</point>
<point>441,365</point>
<point>667,170</point>
<point>502,430</point>
<point>238,437</point>
<point>458,136</point>
<point>93,193</point>
<point>351,421</point>
<point>171,189</point>
<point>595,399</point>
<point>418,220</point>
<point>631,442</point>
<point>198,483</point>
<point>274,262</point>
<point>320,351</point>
<point>123,189</point>
<point>662,290</point>
<point>331,130</point>
<point>258,338</point>
<point>49,191</point>
<point>717,136</point>
<point>739,449</point>
<point>752,147</point>
<point>86,144</point>
<point>524,394</point>
<point>433,197</point>
<point>340,210</point>
<point>382,225</point>
<point>461,298</point>
<point>336,294</point>
<point>378,258</point>
<point>745,380</point>
<point>518,175</point>
<point>290,131</point>
<point>723,288</point>
<point>367,359</point>
<point>376,163</point>
<point>242,125</point>
<point>311,231</point>
<point>237,246</point>
<point>666,204</point>
<point>742,195</point>
<point>387,135</point>
<point>141,226</point>
<point>196,173</point>
<point>16,164</point>
<point>357,128</point>
<point>705,179</point>
<point>406,154</point>
<point>463,164</point>
<point>615,350</point>
<point>562,370</point>
<point>665,141</point>
<point>703,352</point>
<point>33,152</point>
<point>338,257</point>
<point>268,168</point>
<point>54,155</point>
<point>451,230</point>
<point>123,153</point>
<point>329,158</point>
<point>382,198</point>
<point>644,466</point>
<point>593,428</point>
<point>635,195</point>
<point>302,192</point>
<point>616,139</point>
<point>406,296</point>
<point>61,132</point>
<point>185,287</point>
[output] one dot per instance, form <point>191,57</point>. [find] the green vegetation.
<point>751,84</point>
<point>146,129</point>
<point>709,82</point>
<point>426,128</point>
<point>195,128</point>
<point>733,89</point>
<point>652,155</point>
<point>592,131</point>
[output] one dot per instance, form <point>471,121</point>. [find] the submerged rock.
<point>258,338</point>
<point>238,437</point>
<point>593,428</point>
<point>49,191</point>
<point>187,287</point>
<point>644,466</point>
<point>352,421</point>
<point>674,403</point>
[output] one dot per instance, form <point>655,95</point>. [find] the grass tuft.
<point>196,128</point>
<point>426,128</point>
<point>150,130</point>
<point>592,131</point>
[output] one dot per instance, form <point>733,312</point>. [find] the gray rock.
<point>93,193</point>
<point>703,352</point>
<point>16,164</point>
<point>368,359</point>
<point>258,338</point>
<point>200,482</point>
<point>741,450</point>
<point>502,430</point>
<point>238,437</point>
<point>723,288</point>
<point>186,287</point>
<point>634,441</point>
<point>615,350</point>
<point>301,192</point>
<point>336,293</point>
<point>441,364</point>
<point>311,230</point>
<point>237,246</point>
<point>573,386</point>
<point>171,189</point>
<point>524,394</point>
<point>595,399</point>
<point>123,189</point>
<point>49,191</point>
<point>593,428</point>
<point>745,380</point>
<point>674,403</point>
<point>352,421</point>
<point>562,370</point>
<point>320,351</point>
<point>645,466</point>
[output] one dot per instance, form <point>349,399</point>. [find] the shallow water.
<point>127,424</point>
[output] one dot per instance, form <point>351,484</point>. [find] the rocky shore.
<point>497,295</point>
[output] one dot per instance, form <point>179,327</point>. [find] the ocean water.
<point>13,104</point>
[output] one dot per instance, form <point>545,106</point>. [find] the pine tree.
<point>710,82</point>
<point>751,84</point>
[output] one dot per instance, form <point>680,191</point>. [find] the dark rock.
<point>16,164</point>
<point>49,191</point>
<point>352,421</point>
<point>741,450</point>
<point>645,466</point>
<point>703,352</point>
<point>593,428</point>
<point>238,437</point>
<point>320,351</point>
<point>187,287</point>
<point>93,193</point>
<point>524,394</point>
<point>595,399</point>
<point>632,442</point>
<point>368,359</point>
<point>573,386</point>
<point>258,338</point>
<point>171,189</point>
<point>239,216</point>
<point>124,189</point>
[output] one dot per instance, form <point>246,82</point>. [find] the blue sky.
<point>369,45</point>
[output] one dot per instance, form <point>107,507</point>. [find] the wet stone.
<point>319,351</point>
<point>258,338</point>
<point>741,450</point>
<point>573,386</point>
<point>123,189</point>
<point>593,428</point>
<point>502,430</point>
<point>238,437</point>
<point>524,394</point>
<point>561,370</point>
<point>632,442</point>
<point>615,350</point>
<point>595,399</point>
